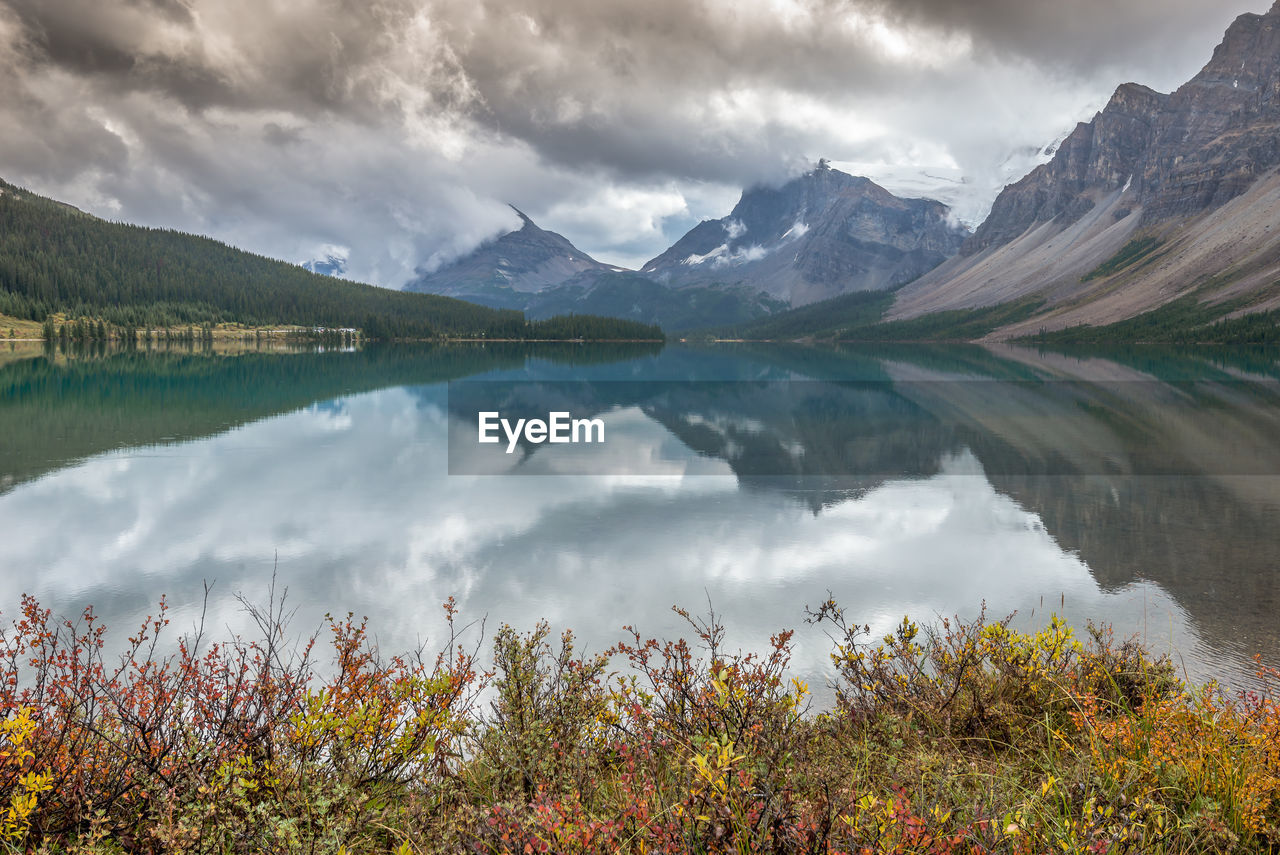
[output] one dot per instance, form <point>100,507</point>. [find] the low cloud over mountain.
<point>401,129</point>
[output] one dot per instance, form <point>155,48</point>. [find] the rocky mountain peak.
<point>1173,156</point>
<point>526,260</point>
<point>821,234</point>
<point>1134,99</point>
<point>1098,157</point>
<point>1248,56</point>
<point>1195,173</point>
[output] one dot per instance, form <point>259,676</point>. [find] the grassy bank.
<point>961,737</point>
<point>12,328</point>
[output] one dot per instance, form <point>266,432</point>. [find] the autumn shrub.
<point>690,749</point>
<point>1205,766</point>
<point>224,747</point>
<point>956,737</point>
<point>981,679</point>
<point>26,785</point>
<point>544,731</point>
<point>728,729</point>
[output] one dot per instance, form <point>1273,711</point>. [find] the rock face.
<point>542,274</point>
<point>1195,170</point>
<point>1099,157</point>
<point>521,262</point>
<point>1219,132</point>
<point>818,236</point>
<point>1182,154</point>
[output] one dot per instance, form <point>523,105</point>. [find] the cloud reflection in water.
<point>354,499</point>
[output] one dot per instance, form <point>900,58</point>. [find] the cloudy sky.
<point>396,130</point>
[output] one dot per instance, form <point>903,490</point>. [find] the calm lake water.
<point>1140,488</point>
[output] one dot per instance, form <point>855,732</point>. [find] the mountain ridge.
<point>56,259</point>
<point>820,234</point>
<point>1193,172</point>
<point>541,259</point>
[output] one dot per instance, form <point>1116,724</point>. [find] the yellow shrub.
<point>16,819</point>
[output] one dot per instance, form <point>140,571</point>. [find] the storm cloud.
<point>399,129</point>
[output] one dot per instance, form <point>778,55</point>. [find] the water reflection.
<point>133,478</point>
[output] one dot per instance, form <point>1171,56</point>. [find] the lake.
<point>1135,487</point>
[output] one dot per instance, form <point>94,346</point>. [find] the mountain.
<point>57,259</point>
<point>817,236</point>
<point>331,265</point>
<point>968,193</point>
<point>502,270</point>
<point>543,275</point>
<point>1159,197</point>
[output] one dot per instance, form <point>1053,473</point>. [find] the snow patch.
<point>713,254</point>
<point>722,257</point>
<point>329,260</point>
<point>745,255</point>
<point>1127,184</point>
<point>796,232</point>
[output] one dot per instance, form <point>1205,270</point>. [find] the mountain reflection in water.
<point>1140,488</point>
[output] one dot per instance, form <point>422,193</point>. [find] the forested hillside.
<point>57,259</point>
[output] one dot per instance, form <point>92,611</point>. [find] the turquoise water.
<point>1140,488</point>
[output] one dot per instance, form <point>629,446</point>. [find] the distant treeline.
<point>1186,320</point>
<point>55,259</point>
<point>859,317</point>
<point>828,319</point>
<point>562,327</point>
